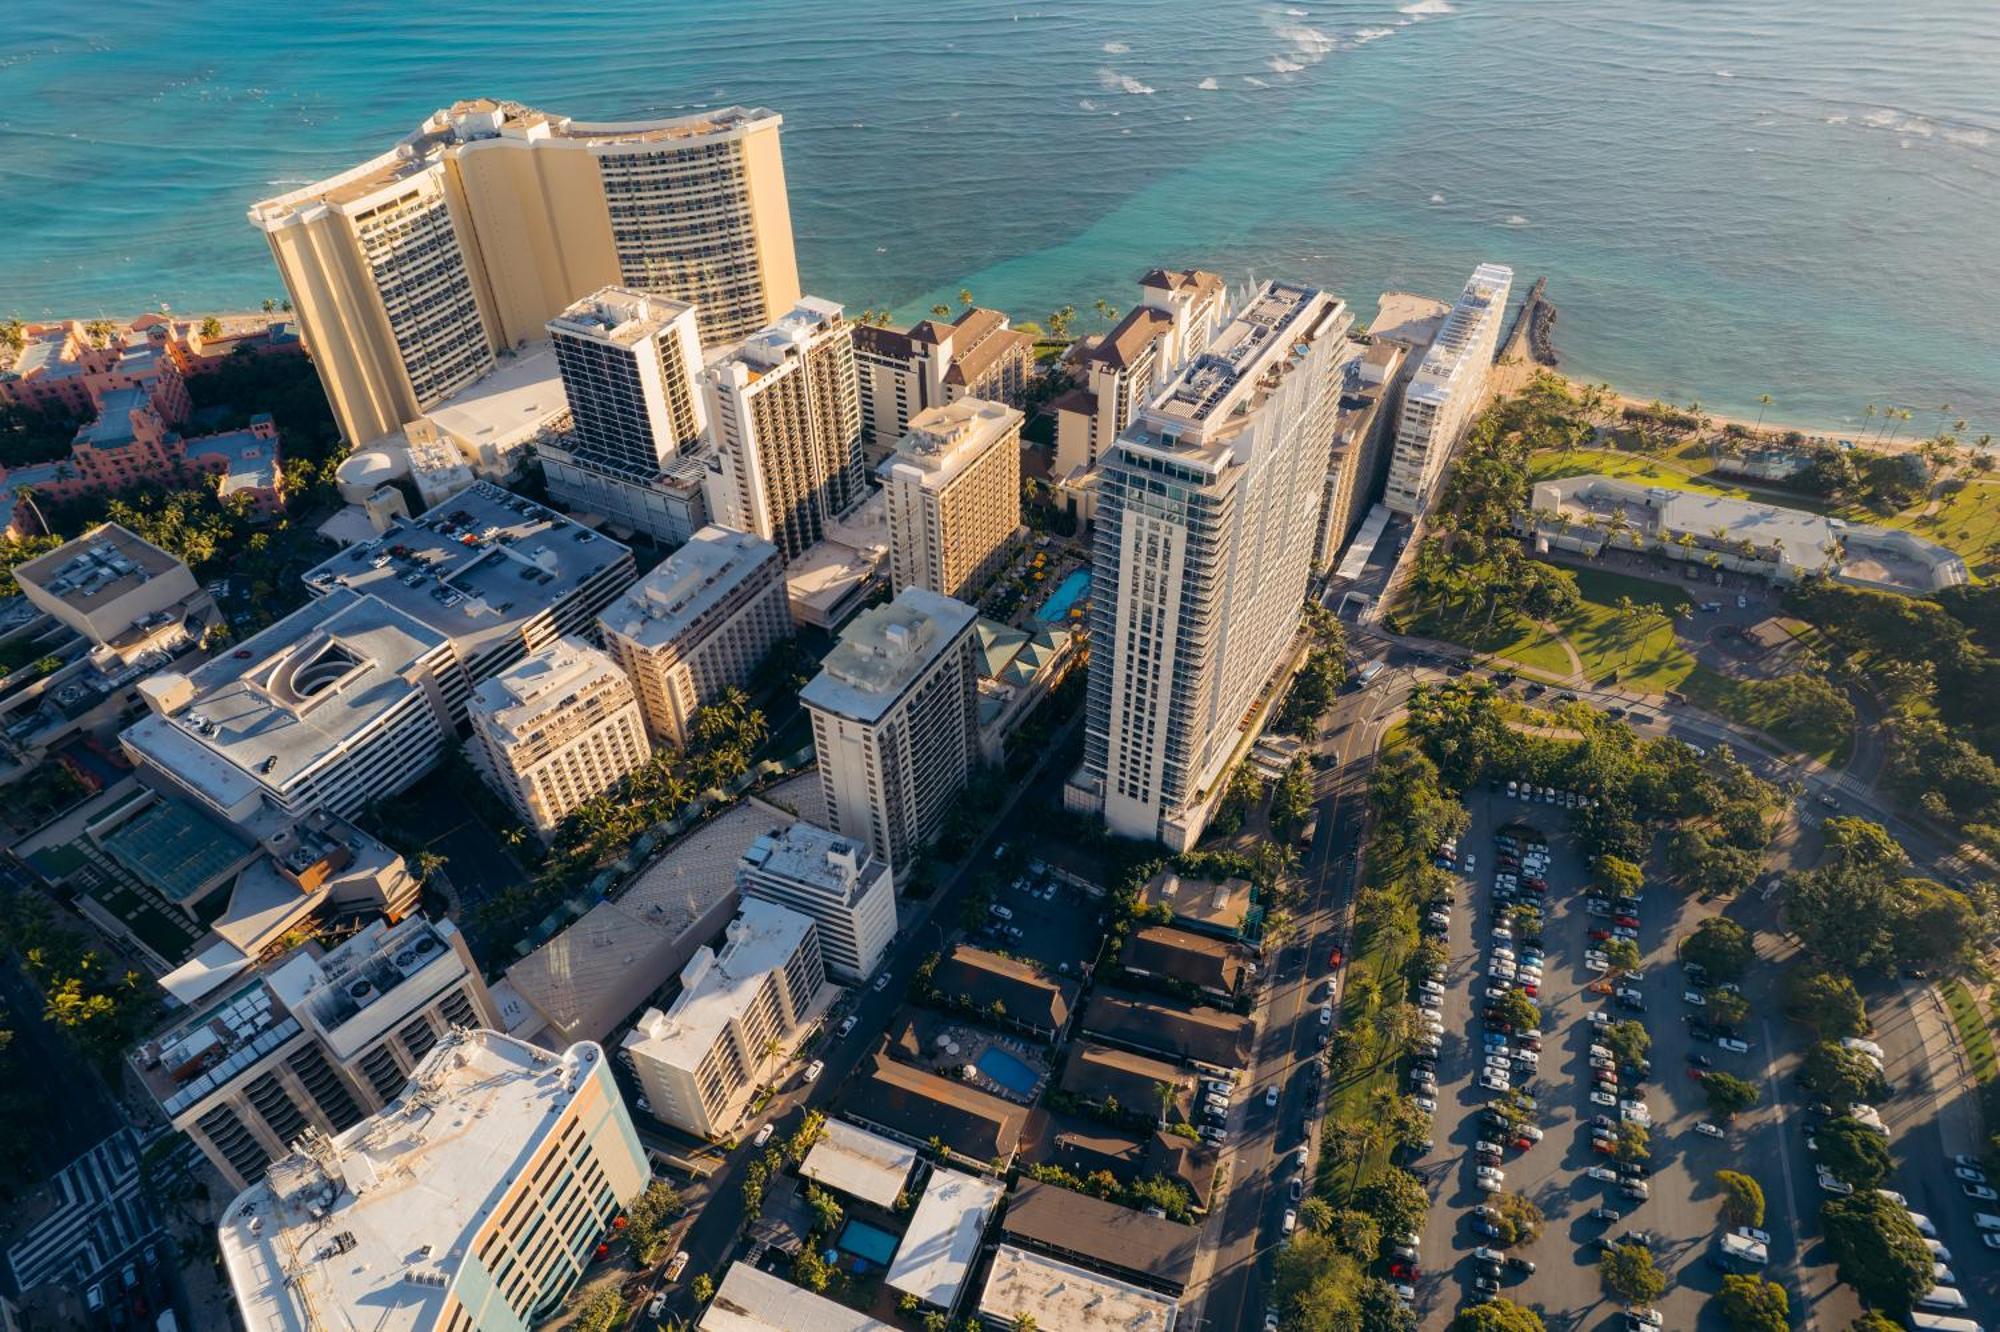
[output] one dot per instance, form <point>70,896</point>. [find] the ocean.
<point>1728,197</point>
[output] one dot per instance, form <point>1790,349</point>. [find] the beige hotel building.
<point>954,494</point>
<point>555,729</point>
<point>412,270</point>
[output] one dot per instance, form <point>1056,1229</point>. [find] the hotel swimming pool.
<point>1010,1072</point>
<point>873,1243</point>
<point>1068,592</point>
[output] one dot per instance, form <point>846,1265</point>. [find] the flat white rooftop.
<point>477,567</point>
<point>944,440</point>
<point>883,651</point>
<point>752,1301</point>
<point>1059,1296</point>
<point>721,986</point>
<point>519,398</point>
<point>618,316</point>
<point>366,1237</point>
<point>807,854</point>
<point>860,1164</point>
<point>526,695</point>
<point>943,1240</point>
<point>688,584</point>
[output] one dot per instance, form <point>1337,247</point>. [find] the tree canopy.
<point>1742,1198</point>
<point>1752,1304</point>
<point>1497,1316</point>
<point>1629,1272</point>
<point>1878,1250</point>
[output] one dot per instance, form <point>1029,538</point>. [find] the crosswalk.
<point>100,1215</point>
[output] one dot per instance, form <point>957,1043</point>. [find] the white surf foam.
<point>1116,48</point>
<point>1208,84</point>
<point>1116,82</point>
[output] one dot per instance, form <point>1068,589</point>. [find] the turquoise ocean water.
<point>1729,197</point>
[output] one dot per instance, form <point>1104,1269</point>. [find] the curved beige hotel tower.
<point>410,272</point>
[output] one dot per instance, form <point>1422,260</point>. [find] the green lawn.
<point>1740,701</point>
<point>1680,473</point>
<point>1519,641</point>
<point>1972,1031</point>
<point>1654,661</point>
<point>1967,520</point>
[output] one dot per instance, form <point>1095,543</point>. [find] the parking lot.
<point>1679,1216</point>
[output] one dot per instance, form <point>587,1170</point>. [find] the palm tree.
<point>427,863</point>
<point>13,334</point>
<point>26,494</point>
<point>1763,401</point>
<point>1168,1095</point>
<point>941,311</point>
<point>965,297</point>
<point>1106,311</point>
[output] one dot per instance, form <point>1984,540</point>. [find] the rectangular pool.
<point>1068,592</point>
<point>862,1240</point>
<point>1004,1068</point>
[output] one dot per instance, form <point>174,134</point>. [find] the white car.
<point>1981,1192</point>
<point>1326,1015</point>
<point>1529,1131</point>
<point>1471,861</point>
<point>1271,1097</point>
<point>1648,1318</point>
<point>1533,1060</point>
<point>1603,1064</point>
<point>1430,1002</point>
<point>1490,1172</point>
<point>1970,1174</point>
<point>1604,1173</point>
<point>1597,965</point>
<point>1694,997</point>
<point>1425,1104</point>
<point>882,982</point>
<point>1990,1240</point>
<point>1600,1018</point>
<point>1833,1185</point>
<point>1708,1130</point>
<point>1895,1198</point>
<point>1291,1221</point>
<point>1922,1223</point>
<point>1732,1045</point>
<point>763,1135</point>
<point>1605,1099</point>
<point>677,1266</point>
<point>1493,1081</point>
<point>1752,1233</point>
<point>1430,987</point>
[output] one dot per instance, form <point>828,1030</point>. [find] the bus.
<point>1929,1322</point>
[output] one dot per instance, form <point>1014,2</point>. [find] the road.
<point>1247,1227</point>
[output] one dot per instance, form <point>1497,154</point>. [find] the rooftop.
<point>979,338</point>
<point>470,123</point>
<point>1098,1071</point>
<point>1224,905</point>
<point>97,568</point>
<point>859,1164</point>
<point>1102,1233</point>
<point>1027,994</point>
<point>1125,343</point>
<point>750,1300</point>
<point>920,1106</point>
<point>250,459</point>
<point>367,1232</point>
<point>514,402</point>
<point>944,440</point>
<point>805,853</point>
<point>174,848</point>
<point>717,988</point>
<point>113,425</point>
<point>943,1239</point>
<point>1407,318</point>
<point>778,341</point>
<point>1182,955</point>
<point>681,591</point>
<point>476,568</point>
<point>618,316</point>
<point>883,651</point>
<point>1197,280</point>
<point>541,686</point>
<point>1264,340</point>
<point>1201,1034</point>
<point>1068,1299</point>
<point>288,697</point>
<point>1482,303</point>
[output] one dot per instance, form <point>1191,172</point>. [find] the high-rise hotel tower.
<point>411,271</point>
<point>1205,525</point>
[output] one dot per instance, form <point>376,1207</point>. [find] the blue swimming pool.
<point>862,1240</point>
<point>1068,592</point>
<point>1010,1072</point>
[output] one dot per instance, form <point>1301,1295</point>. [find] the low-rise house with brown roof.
<point>1177,315</point>
<point>901,372</point>
<point>1102,1236</point>
<point>916,1107</point>
<point>1121,1082</point>
<point>1005,990</point>
<point>1197,1035</point>
<point>1181,961</point>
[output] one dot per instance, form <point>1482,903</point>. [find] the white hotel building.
<point>730,1026</point>
<point>1208,508</point>
<point>833,879</point>
<point>1447,388</point>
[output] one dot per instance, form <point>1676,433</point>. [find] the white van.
<point>1930,1322</point>
<point>1942,1297</point>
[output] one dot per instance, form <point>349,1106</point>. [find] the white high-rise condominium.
<point>785,415</point>
<point>1446,389</point>
<point>631,369</point>
<point>702,620</point>
<point>896,721</point>
<point>833,879</point>
<point>953,488</point>
<point>555,729</point>
<point>1205,527</point>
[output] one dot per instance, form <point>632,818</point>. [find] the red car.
<point>1403,1270</point>
<point>1602,1145</point>
<point>1600,934</point>
<point>1523,1144</point>
<point>1629,922</point>
<point>1695,1073</point>
<point>1531,989</point>
<point>1335,958</point>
